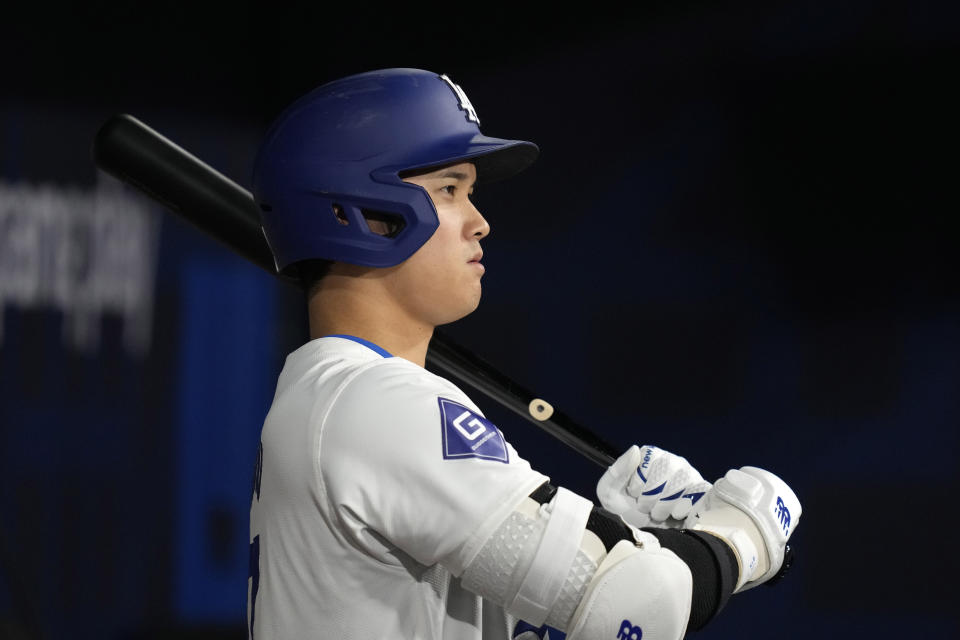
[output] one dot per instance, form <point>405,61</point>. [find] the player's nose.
<point>477,226</point>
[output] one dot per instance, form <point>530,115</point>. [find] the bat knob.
<point>788,556</point>
<point>540,409</point>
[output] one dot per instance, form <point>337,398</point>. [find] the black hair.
<point>310,273</point>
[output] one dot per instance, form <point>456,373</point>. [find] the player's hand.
<point>651,487</point>
<point>756,513</point>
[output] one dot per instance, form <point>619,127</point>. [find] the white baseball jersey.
<point>377,484</point>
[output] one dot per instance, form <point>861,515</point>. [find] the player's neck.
<point>352,311</point>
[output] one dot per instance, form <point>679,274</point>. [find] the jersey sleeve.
<point>407,455</point>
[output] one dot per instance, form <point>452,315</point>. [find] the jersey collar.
<point>378,349</point>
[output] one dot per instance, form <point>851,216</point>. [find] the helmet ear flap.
<point>380,231</point>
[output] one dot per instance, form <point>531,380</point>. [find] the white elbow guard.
<point>526,564</point>
<point>541,586</point>
<point>636,592</point>
<point>543,565</point>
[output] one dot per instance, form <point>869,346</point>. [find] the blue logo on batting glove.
<point>629,632</point>
<point>783,513</point>
<point>468,435</point>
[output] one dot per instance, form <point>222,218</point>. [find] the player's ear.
<point>383,224</point>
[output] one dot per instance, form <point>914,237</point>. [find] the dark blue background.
<point>739,243</point>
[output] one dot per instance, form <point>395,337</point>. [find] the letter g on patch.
<point>466,434</point>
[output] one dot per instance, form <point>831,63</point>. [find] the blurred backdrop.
<point>739,243</point>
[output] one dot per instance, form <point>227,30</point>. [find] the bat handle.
<point>452,360</point>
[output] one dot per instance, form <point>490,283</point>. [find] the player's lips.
<point>475,260</point>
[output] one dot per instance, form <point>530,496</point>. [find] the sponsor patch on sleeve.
<point>468,435</point>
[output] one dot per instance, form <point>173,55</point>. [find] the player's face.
<point>440,283</point>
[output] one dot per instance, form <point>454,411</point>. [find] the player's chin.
<point>465,306</point>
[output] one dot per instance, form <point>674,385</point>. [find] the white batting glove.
<point>650,487</point>
<point>756,513</point>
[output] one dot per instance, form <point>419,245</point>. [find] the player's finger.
<point>623,469</point>
<point>661,511</point>
<point>651,470</point>
<point>691,496</point>
<point>612,484</point>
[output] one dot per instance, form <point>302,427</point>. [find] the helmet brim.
<point>508,159</point>
<point>495,158</point>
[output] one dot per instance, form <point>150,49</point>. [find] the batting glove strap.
<point>744,540</point>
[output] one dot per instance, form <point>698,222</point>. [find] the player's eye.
<point>450,189</point>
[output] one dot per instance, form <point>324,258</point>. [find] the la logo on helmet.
<point>464,100</point>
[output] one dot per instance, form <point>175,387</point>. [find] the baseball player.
<point>385,505</point>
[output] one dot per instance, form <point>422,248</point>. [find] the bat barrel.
<point>136,154</point>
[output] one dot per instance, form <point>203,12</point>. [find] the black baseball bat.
<point>137,155</point>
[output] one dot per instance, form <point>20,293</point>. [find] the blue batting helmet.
<point>334,158</point>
